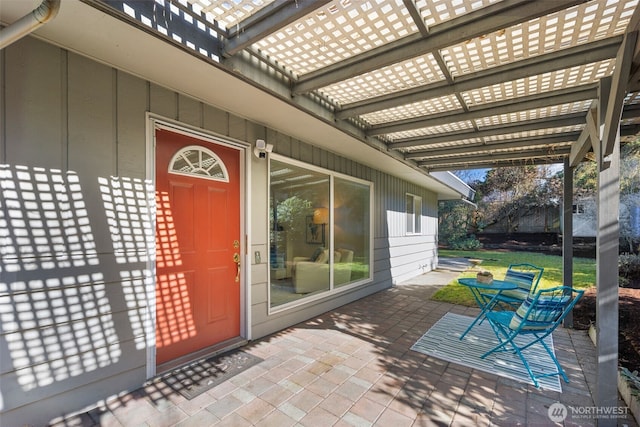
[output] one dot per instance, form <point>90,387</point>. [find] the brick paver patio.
<point>354,367</point>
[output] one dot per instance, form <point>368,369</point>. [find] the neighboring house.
<point>541,219</point>
<point>142,226</point>
<point>548,219</point>
<point>585,218</point>
<point>585,210</point>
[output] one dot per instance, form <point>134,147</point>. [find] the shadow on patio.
<point>354,367</point>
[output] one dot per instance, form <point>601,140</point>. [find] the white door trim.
<point>153,122</point>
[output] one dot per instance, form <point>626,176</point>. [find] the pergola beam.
<point>566,58</point>
<point>546,152</point>
<point>416,16</point>
<point>557,97</point>
<point>619,85</point>
<point>584,143</point>
<point>266,21</point>
<point>489,164</point>
<point>567,120</point>
<point>479,148</point>
<point>483,21</point>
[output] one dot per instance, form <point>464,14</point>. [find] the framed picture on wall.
<point>315,232</point>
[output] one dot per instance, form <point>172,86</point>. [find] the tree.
<point>454,220</point>
<point>289,215</point>
<point>585,179</point>
<point>512,192</point>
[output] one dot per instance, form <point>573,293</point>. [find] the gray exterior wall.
<point>75,279</point>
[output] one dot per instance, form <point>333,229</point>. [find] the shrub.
<point>454,219</point>
<point>629,267</point>
<point>466,243</point>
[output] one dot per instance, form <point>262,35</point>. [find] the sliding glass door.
<point>320,231</point>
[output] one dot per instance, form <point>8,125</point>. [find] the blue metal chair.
<point>527,277</point>
<point>536,318</point>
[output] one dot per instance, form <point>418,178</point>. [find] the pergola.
<point>450,84</point>
<point>441,85</point>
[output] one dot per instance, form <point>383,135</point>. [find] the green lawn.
<point>584,271</point>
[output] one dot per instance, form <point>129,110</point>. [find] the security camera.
<point>262,148</point>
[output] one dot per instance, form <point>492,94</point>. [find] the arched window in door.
<point>195,160</point>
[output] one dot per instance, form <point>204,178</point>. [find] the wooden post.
<point>607,242</point>
<point>567,233</point>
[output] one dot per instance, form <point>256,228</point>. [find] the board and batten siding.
<point>405,255</point>
<point>75,279</point>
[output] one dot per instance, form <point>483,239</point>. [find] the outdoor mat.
<point>443,341</point>
<point>196,378</point>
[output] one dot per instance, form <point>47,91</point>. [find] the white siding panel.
<point>25,273</point>
<point>402,275</point>
<point>131,108</point>
<point>33,81</point>
<point>58,306</point>
<point>189,111</point>
<point>92,131</point>
<point>91,117</point>
<point>237,128</point>
<point>259,275</point>
<point>411,256</point>
<point>415,259</point>
<point>262,322</point>
<point>163,101</point>
<point>215,120</point>
<point>401,247</point>
<point>47,407</point>
<point>406,255</point>
<point>397,222</point>
<point>65,367</point>
<point>259,290</point>
<point>382,272</point>
<point>70,342</point>
<point>64,287</point>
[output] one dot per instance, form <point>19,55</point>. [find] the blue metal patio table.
<point>485,302</point>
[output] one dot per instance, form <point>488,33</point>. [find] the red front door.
<point>198,244</point>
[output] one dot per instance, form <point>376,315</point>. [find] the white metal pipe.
<point>47,10</point>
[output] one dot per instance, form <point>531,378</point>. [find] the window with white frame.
<point>414,214</point>
<point>320,232</point>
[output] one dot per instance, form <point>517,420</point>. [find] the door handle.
<point>236,259</point>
